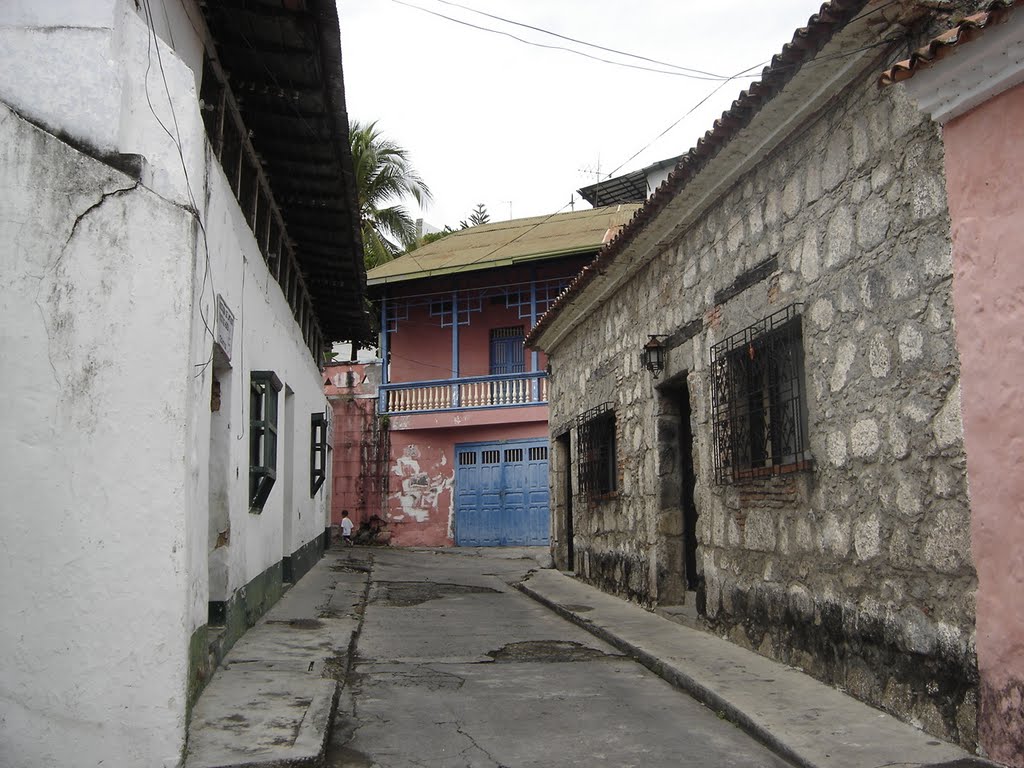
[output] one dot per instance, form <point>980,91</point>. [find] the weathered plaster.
<point>421,491</point>
<point>109,306</point>
<point>984,164</point>
<point>97,296</point>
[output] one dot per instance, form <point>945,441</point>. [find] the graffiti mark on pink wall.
<point>421,490</point>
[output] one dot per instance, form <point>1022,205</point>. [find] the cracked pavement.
<point>454,668</point>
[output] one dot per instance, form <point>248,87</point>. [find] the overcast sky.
<point>488,119</point>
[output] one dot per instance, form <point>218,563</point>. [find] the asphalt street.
<point>454,668</point>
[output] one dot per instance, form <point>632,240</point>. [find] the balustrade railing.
<point>465,393</point>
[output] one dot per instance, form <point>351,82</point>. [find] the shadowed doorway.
<point>679,576</point>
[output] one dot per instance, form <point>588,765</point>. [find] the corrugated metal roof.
<point>939,46</point>
<point>628,188</point>
<point>507,242</point>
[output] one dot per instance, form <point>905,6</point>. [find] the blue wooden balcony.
<point>467,393</point>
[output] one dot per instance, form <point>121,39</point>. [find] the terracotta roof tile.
<point>940,46</point>
<point>806,43</point>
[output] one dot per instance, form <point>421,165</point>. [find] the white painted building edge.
<point>973,72</point>
<point>111,533</point>
<point>93,648</point>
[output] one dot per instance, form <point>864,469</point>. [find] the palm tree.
<point>384,175</point>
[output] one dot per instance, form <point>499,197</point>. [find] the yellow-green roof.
<point>507,242</point>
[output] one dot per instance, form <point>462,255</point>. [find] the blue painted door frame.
<point>501,494</point>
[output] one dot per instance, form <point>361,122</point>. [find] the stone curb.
<point>677,678</point>
<point>708,696</point>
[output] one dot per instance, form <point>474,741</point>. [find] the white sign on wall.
<point>224,326</point>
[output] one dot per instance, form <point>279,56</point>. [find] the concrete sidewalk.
<point>270,703</point>
<point>805,721</point>
<point>271,700</point>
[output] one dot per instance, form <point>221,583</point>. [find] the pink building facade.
<point>975,91</point>
<point>359,447</point>
<point>463,404</point>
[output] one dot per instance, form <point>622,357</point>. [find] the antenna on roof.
<point>596,170</point>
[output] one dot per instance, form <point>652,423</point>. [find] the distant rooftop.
<point>632,187</point>
<point>507,242</point>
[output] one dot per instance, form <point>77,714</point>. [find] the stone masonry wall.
<point>858,571</point>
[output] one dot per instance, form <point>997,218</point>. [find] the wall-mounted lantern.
<point>653,355</point>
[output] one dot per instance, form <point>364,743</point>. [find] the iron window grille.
<point>758,400</point>
<point>597,466</point>
<point>318,445</point>
<point>264,387</point>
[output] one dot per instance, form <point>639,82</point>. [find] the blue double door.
<point>501,494</point>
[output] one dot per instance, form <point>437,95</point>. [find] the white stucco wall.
<point>95,301</point>
<point>105,420</point>
<point>90,71</point>
<point>266,338</point>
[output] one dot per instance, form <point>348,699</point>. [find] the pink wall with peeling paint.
<point>985,170</point>
<point>351,388</point>
<point>421,509</point>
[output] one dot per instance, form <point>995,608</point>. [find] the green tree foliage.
<point>478,216</point>
<point>384,176</point>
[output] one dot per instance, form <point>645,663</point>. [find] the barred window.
<point>597,466</point>
<point>264,387</point>
<point>759,406</point>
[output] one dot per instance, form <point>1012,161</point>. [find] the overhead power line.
<point>688,73</point>
<point>582,42</point>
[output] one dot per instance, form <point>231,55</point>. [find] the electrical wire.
<point>175,138</point>
<point>582,42</point>
<point>814,150</point>
<point>688,112</point>
<point>558,47</point>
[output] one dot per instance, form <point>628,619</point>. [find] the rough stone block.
<point>867,536</point>
<point>804,535</point>
<point>861,191</point>
<point>759,531</point>
<point>899,443</point>
<point>948,425</point>
<point>928,198</point>
<point>845,356</point>
<point>879,356</point>
<point>839,237</point>
<point>836,449</point>
<point>919,632</point>
<point>821,314</point>
<point>835,535</point>
<point>899,549</point>
<point>873,219</point>
<point>882,175</point>
<point>837,160</point>
<point>949,541</point>
<point>908,498</point>
<point>861,146</point>
<point>792,197</point>
<point>864,438</point>
<point>809,261</point>
<point>904,115</point>
<point>812,188</point>
<point>872,289</point>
